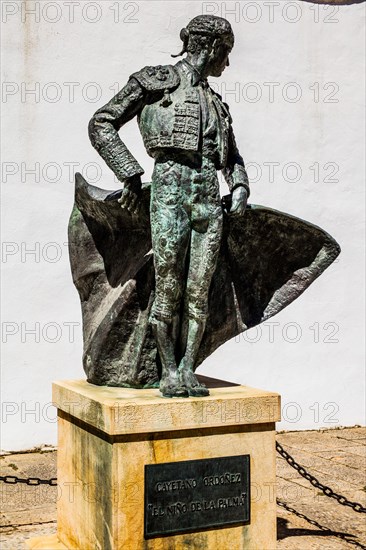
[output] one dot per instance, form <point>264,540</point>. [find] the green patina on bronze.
<point>169,271</point>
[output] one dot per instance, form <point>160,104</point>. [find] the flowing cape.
<point>266,260</point>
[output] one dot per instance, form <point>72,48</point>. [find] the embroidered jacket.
<point>176,111</point>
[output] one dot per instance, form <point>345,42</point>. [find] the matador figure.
<point>168,271</point>
<point>187,129</point>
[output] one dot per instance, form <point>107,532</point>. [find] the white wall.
<point>314,356</point>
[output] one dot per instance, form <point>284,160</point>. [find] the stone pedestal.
<point>108,435</point>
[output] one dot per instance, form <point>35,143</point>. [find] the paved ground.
<point>336,457</point>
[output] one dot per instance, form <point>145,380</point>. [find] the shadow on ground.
<point>284,531</point>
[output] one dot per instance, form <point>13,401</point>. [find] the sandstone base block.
<point>108,435</point>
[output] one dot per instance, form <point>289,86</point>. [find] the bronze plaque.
<point>196,494</point>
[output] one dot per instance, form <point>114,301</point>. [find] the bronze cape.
<point>266,260</point>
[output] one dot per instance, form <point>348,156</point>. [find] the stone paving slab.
<point>359,451</point>
<point>14,539</point>
<point>337,457</point>
<point>342,457</point>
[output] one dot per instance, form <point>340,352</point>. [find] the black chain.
<point>343,536</point>
<point>289,459</point>
<point>316,483</point>
<point>29,480</point>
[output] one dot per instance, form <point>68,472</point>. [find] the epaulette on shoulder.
<point>157,78</point>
